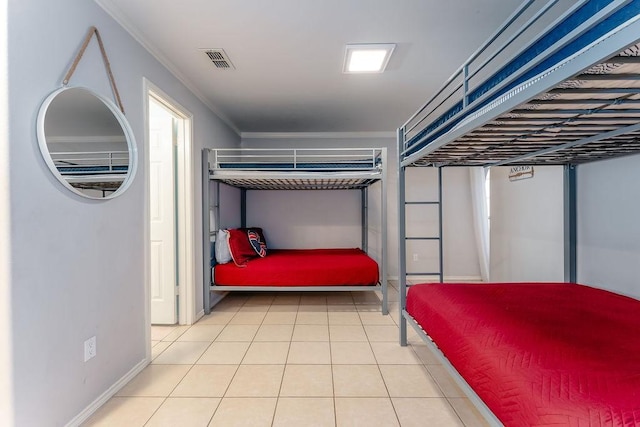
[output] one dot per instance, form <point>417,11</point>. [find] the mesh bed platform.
<point>267,181</point>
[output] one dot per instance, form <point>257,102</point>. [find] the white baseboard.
<point>453,279</point>
<point>102,399</point>
<point>198,315</point>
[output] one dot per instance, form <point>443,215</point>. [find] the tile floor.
<point>284,359</point>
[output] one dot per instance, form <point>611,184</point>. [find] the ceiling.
<point>288,55</point>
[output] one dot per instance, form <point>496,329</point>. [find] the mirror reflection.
<point>86,142</point>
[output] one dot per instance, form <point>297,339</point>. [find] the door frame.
<point>185,223</point>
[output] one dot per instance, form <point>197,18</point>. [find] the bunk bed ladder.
<point>438,238</point>
<point>403,274</point>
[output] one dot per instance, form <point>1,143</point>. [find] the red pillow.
<point>240,247</point>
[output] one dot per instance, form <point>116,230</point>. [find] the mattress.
<point>302,267</point>
<point>539,354</point>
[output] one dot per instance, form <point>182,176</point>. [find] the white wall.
<point>608,230</point>
<point>335,216</point>
<point>527,240</point>
<point>76,265</point>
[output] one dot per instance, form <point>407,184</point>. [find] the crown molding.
<point>128,26</point>
<point>316,135</point>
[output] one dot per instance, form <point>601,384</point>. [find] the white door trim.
<point>185,201</point>
<point>164,126</point>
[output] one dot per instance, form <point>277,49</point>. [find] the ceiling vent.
<point>219,59</point>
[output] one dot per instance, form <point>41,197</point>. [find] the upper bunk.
<point>558,83</point>
<point>92,170</point>
<point>297,169</point>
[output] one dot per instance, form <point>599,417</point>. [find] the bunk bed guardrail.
<point>91,163</point>
<point>297,159</point>
<point>297,169</point>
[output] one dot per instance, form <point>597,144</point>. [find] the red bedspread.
<point>302,267</point>
<point>539,354</point>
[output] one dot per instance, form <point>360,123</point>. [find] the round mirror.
<point>87,143</point>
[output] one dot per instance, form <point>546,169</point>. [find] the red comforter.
<point>539,354</point>
<point>302,267</point>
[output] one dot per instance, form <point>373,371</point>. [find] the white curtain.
<point>477,176</point>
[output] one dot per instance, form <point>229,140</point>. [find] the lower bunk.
<point>536,354</point>
<point>303,270</point>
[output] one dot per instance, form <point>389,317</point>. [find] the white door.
<point>162,140</point>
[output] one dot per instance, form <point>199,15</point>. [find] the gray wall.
<point>608,231</point>
<point>336,216</point>
<point>306,219</point>
<point>6,383</point>
<point>527,241</point>
<point>76,265</point>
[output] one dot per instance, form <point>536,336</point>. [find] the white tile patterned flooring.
<point>290,359</point>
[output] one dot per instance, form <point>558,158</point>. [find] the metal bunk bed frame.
<point>565,105</point>
<point>294,169</point>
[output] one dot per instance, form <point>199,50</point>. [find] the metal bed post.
<point>383,230</point>
<point>216,207</point>
<point>570,224</point>
<point>206,241</point>
<point>365,219</point>
<point>441,237</point>
<point>243,207</point>
<point>402,250</point>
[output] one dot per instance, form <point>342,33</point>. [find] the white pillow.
<point>223,255</point>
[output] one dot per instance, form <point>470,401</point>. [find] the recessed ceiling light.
<point>367,58</point>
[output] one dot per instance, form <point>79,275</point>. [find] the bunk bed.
<point>557,84</point>
<point>93,170</point>
<point>351,269</point>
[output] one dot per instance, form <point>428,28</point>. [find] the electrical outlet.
<point>90,349</point>
<point>415,257</point>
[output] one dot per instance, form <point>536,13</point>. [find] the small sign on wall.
<point>516,173</point>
